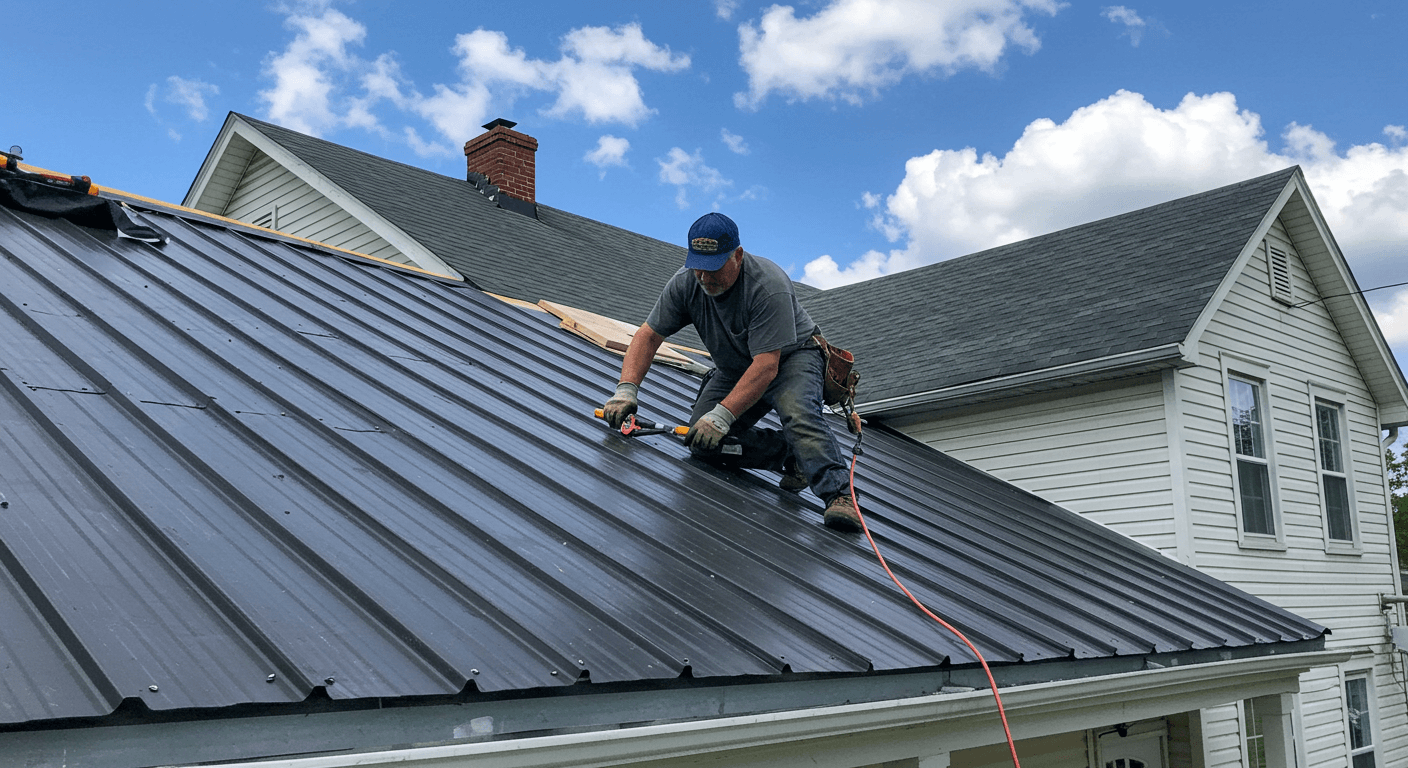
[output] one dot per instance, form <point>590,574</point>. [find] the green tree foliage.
<point>1398,486</point>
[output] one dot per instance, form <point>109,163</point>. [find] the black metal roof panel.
<point>1130,282</point>
<point>236,470</point>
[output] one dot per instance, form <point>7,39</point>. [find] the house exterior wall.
<point>1298,350</point>
<point>1100,450</point>
<point>1104,451</point>
<point>302,210</point>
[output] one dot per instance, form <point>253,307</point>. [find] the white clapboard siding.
<point>1223,740</point>
<point>1299,347</point>
<point>302,210</point>
<point>1100,450</point>
<point>226,175</point>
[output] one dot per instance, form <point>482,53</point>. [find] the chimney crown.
<point>507,157</point>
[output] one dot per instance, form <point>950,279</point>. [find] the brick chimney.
<point>506,157</point>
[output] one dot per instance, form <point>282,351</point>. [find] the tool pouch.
<point>839,379</point>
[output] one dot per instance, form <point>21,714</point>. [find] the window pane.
<point>1256,740</point>
<point>1246,418</point>
<point>1255,482</point>
<point>1327,424</point>
<point>1365,760</point>
<point>1337,507</point>
<point>1356,694</point>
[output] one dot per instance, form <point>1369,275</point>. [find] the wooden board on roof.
<point>614,335</point>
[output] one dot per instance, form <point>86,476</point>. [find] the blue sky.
<point>849,138</point>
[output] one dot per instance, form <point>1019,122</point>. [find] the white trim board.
<point>398,238</point>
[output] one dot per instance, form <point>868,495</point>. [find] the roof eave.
<point>1118,366</point>
<point>885,730</point>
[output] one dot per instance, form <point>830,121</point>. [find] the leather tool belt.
<point>839,379</point>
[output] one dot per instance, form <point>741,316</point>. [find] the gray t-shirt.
<point>758,314</point>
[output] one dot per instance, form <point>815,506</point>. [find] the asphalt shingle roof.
<point>560,256</point>
<point>1130,282</point>
<point>243,471</point>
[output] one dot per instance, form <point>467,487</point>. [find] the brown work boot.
<point>794,480</point>
<point>841,514</point>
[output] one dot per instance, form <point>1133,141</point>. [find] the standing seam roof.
<point>242,470</point>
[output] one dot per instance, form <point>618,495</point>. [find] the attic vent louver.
<point>1278,264</point>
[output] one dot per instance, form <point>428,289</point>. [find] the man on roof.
<point>767,356</point>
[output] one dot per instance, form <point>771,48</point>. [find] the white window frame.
<point>1245,712</point>
<point>1339,401</point>
<point>1375,733</point>
<point>1259,376</point>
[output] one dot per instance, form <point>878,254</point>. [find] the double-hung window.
<point>1253,454</point>
<point>1253,468</point>
<point>1336,484</point>
<point>1358,703</point>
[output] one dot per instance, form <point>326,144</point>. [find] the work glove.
<point>621,405</point>
<point>709,431</point>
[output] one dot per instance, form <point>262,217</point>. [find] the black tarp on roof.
<point>240,470</point>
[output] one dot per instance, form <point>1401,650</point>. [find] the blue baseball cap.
<point>712,239</point>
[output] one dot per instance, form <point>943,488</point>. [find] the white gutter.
<point>857,734</point>
<point>1168,354</point>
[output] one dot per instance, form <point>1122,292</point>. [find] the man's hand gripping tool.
<point>638,427</point>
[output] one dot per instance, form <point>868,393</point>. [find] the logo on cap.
<point>704,245</point>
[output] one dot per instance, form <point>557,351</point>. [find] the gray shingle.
<point>560,256</point>
<point>1130,282</point>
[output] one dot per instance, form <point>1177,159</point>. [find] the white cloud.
<point>735,143</point>
<point>610,150</point>
<point>725,8</point>
<point>852,48</point>
<point>188,94</point>
<point>422,147</point>
<point>305,74</point>
<point>1119,154</point>
<point>1396,132</point>
<point>1133,24</point>
<point>1393,319</point>
<point>594,79</point>
<point>688,172</point>
<point>320,84</point>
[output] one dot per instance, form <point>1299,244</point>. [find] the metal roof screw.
<point>152,688</point>
<point>330,680</point>
<point>473,671</point>
<point>271,678</point>
<point>686,661</point>
<point>579,661</point>
<point>554,672</point>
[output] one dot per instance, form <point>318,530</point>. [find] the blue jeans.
<point>796,396</point>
